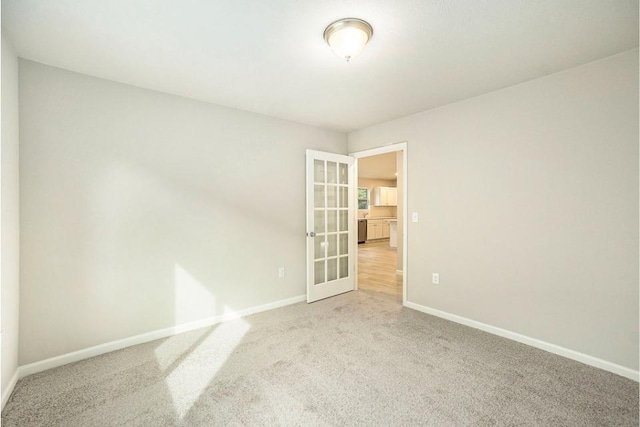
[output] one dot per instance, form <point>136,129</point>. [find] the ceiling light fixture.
<point>347,37</point>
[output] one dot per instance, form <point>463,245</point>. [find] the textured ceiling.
<point>269,57</point>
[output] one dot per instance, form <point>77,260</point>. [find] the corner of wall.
<point>9,221</point>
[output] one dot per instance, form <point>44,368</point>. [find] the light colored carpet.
<point>356,359</point>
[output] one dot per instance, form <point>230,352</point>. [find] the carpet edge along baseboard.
<point>75,356</point>
<point>533,342</point>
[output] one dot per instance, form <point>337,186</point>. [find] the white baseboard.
<point>97,350</point>
<point>399,272</point>
<point>551,348</point>
<point>9,389</point>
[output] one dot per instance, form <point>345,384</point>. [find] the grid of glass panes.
<point>331,221</point>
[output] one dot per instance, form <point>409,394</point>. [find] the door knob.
<point>311,234</point>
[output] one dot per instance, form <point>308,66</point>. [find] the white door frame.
<point>398,146</point>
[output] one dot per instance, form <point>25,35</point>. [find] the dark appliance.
<point>362,230</point>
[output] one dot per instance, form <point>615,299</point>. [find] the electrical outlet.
<point>414,217</point>
<point>281,272</point>
<point>435,278</point>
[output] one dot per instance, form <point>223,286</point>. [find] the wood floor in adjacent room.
<point>377,265</point>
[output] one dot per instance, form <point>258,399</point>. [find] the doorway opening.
<point>381,250</point>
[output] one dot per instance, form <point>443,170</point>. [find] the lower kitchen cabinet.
<point>385,230</point>
<point>377,229</point>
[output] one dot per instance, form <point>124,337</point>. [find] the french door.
<point>331,239</point>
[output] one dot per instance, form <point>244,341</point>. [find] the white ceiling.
<point>382,166</point>
<point>269,57</point>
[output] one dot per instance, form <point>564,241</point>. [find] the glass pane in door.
<point>332,196</point>
<point>332,247</point>
<point>344,243</point>
<point>318,196</point>
<point>318,170</point>
<point>343,174</point>
<point>344,266</point>
<point>319,272</point>
<point>332,172</point>
<point>344,218</point>
<point>319,247</point>
<point>319,221</point>
<point>344,197</point>
<point>332,222</point>
<point>332,269</point>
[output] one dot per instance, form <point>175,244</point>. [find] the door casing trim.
<point>394,147</point>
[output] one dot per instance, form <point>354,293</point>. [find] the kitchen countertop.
<point>382,217</point>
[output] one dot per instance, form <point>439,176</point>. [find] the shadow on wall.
<point>137,234</point>
<point>155,222</point>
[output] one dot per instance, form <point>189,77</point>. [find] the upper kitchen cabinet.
<point>385,196</point>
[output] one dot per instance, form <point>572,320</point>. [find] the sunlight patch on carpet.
<point>192,376</point>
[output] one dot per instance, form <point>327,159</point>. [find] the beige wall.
<point>528,203</point>
<point>10,218</point>
<point>376,211</point>
<point>142,210</point>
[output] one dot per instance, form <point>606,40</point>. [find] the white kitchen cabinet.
<point>385,196</point>
<point>374,229</point>
<point>377,229</point>
<point>385,229</point>
<point>392,196</point>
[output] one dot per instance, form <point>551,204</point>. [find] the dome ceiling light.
<point>347,37</point>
